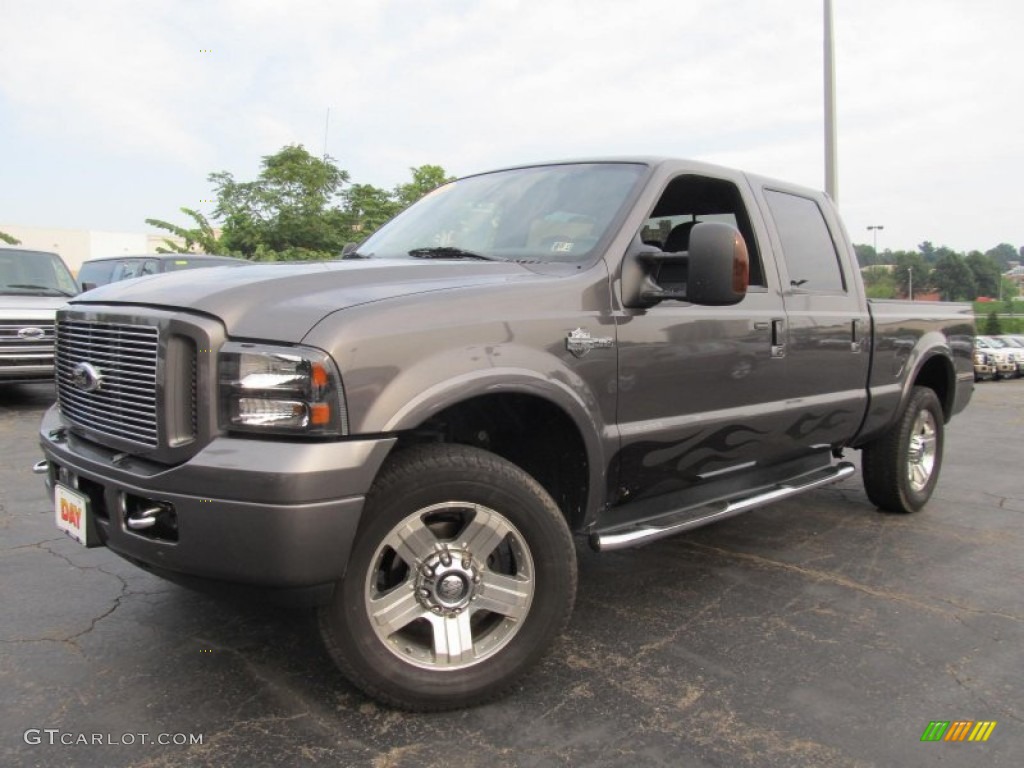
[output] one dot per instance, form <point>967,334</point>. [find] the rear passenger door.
<point>827,336</point>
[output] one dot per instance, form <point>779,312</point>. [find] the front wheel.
<point>901,467</point>
<point>462,574</point>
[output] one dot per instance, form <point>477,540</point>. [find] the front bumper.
<point>261,512</point>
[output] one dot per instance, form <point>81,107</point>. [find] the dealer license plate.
<point>72,510</point>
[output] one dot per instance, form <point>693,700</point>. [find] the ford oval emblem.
<point>86,377</point>
<point>31,333</point>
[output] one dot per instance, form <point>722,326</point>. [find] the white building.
<point>78,245</point>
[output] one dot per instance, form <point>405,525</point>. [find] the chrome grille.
<point>124,405</point>
<point>26,343</point>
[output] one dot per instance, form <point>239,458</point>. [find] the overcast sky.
<point>112,111</point>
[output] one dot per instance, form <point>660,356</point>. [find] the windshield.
<point>542,214</point>
<point>34,273</point>
<point>988,341</point>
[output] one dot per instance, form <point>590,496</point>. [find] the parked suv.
<point>111,269</point>
<point>33,286</point>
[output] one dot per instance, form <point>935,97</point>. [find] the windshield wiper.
<point>447,252</point>
<point>40,288</point>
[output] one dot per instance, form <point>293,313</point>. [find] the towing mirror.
<point>719,265</point>
<point>714,271</point>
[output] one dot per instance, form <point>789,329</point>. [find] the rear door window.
<point>807,247</point>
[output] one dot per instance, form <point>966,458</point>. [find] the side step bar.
<point>651,531</point>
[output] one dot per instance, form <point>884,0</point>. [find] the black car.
<point>111,269</point>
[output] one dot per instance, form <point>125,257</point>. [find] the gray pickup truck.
<point>617,349</point>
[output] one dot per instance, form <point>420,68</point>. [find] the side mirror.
<point>348,248</point>
<point>719,265</point>
<point>714,271</point>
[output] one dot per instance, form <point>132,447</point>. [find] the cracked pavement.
<point>813,632</point>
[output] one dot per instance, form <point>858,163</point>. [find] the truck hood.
<point>23,307</point>
<point>284,301</point>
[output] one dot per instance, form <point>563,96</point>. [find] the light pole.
<point>910,277</point>
<point>873,228</point>
<point>831,174</point>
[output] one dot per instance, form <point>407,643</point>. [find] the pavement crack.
<point>37,545</point>
<point>842,581</point>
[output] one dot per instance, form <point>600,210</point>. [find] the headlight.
<point>280,390</point>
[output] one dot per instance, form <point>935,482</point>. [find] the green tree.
<point>953,279</point>
<point>879,283</point>
<point>866,255</point>
<point>293,207</point>
<point>299,207</point>
<point>201,235</point>
<point>986,273</point>
<point>368,207</point>
<point>992,325</point>
<point>9,239</point>
<point>911,267</point>
<point>1002,255</point>
<point>425,179</point>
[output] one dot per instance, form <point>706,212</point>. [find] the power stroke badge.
<point>579,342</point>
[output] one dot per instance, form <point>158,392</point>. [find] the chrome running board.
<point>642,533</point>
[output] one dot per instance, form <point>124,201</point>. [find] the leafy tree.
<point>866,255</point>
<point>9,239</point>
<point>1002,255</point>
<point>986,273</point>
<point>425,179</point>
<point>911,267</point>
<point>992,325</point>
<point>879,283</point>
<point>368,207</point>
<point>927,251</point>
<point>293,204</point>
<point>202,235</point>
<point>299,207</point>
<point>953,279</point>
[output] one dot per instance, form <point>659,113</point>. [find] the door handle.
<point>856,342</point>
<point>778,338</point>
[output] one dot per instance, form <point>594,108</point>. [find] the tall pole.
<point>831,182</point>
<point>327,126</point>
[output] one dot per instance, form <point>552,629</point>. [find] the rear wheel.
<point>462,573</point>
<point>902,466</point>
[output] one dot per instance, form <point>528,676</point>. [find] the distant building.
<point>1016,274</point>
<point>78,245</point>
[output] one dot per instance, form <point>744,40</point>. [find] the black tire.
<point>491,585</point>
<point>902,466</point>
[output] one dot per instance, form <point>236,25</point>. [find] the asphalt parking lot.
<point>814,632</point>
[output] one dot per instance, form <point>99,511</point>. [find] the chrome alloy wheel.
<point>921,450</point>
<point>449,586</point>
